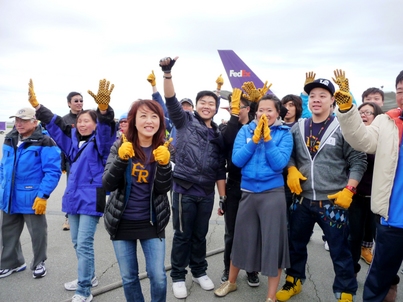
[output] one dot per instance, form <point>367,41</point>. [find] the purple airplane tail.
<point>237,71</point>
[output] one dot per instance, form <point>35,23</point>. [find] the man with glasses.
<point>29,172</point>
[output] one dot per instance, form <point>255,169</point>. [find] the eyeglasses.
<point>366,113</point>
<point>122,121</point>
<point>243,107</point>
<point>76,101</point>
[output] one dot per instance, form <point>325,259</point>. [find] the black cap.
<point>320,83</point>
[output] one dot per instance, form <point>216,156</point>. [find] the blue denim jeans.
<point>333,222</point>
<point>190,218</point>
<point>154,252</point>
<point>82,230</point>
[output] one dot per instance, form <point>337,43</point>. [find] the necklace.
<point>313,140</point>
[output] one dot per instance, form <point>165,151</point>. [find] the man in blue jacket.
<point>29,172</point>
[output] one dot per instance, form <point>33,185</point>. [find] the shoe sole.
<point>253,284</point>
<point>40,276</point>
<point>197,281</point>
<point>15,270</point>
<point>180,296</point>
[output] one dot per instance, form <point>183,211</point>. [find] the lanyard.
<point>312,139</point>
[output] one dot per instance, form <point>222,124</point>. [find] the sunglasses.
<point>122,121</point>
<point>76,101</point>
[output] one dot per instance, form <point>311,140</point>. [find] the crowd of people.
<point>279,167</point>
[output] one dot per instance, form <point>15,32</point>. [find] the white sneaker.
<point>73,285</point>
<point>326,246</point>
<point>79,298</point>
<point>205,282</point>
<point>179,289</point>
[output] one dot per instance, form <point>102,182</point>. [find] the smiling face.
<point>206,107</point>
<point>85,124</point>
<point>320,101</point>
<point>147,123</point>
<point>76,104</point>
<point>268,108</point>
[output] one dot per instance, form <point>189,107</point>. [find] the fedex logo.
<point>239,74</point>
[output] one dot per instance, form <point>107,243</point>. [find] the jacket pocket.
<point>25,196</point>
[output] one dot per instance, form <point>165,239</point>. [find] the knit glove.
<point>264,89</point>
<point>126,149</point>
<point>151,79</point>
<point>103,96</point>
<point>266,129</point>
<point>220,82</point>
<point>259,130</point>
<point>293,180</point>
<point>341,80</point>
<point>309,77</point>
<point>39,206</point>
<point>236,101</point>
<point>342,198</point>
<point>31,94</point>
<point>167,63</point>
<point>252,94</point>
<point>161,154</point>
<point>344,100</point>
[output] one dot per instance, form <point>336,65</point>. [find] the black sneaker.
<point>40,271</point>
<point>253,279</point>
<point>224,277</point>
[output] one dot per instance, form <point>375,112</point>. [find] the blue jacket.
<point>28,171</point>
<point>84,193</point>
<point>262,164</point>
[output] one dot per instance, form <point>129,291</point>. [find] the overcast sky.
<point>70,45</point>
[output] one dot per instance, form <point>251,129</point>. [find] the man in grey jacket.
<point>323,172</point>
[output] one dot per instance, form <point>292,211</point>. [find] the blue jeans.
<point>154,252</point>
<point>190,218</point>
<point>333,222</point>
<point>82,230</point>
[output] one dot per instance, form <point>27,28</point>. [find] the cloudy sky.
<point>70,45</point>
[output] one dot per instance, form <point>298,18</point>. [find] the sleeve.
<point>278,155</point>
<point>50,159</point>
<point>176,113</point>
<point>230,130</point>
<point>105,133</point>
<point>158,98</point>
<point>163,179</point>
<point>293,132</point>
<point>357,162</point>
<point>306,113</point>
<point>243,149</point>
<point>114,169</point>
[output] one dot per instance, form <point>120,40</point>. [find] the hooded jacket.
<point>28,171</point>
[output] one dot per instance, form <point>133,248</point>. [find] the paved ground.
<point>62,267</point>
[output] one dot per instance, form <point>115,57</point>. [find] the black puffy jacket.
<point>117,180</point>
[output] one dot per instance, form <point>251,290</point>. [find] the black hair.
<point>376,107</point>
<point>399,78</point>
<point>296,100</point>
<point>272,97</point>
<point>92,114</point>
<point>208,93</point>
<point>372,90</point>
<point>71,94</point>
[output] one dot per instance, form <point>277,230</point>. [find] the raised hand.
<point>264,89</point>
<point>252,94</point>
<point>220,82</point>
<point>236,101</point>
<point>103,96</point>
<point>151,78</point>
<point>167,63</point>
<point>31,94</point>
<point>266,130</point>
<point>309,77</point>
<point>126,150</point>
<point>344,100</point>
<point>162,154</point>
<point>341,80</point>
<point>257,134</point>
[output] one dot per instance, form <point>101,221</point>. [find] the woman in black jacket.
<point>138,175</point>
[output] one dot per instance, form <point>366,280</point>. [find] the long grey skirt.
<point>260,238</point>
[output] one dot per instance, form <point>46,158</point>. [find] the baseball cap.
<point>320,83</point>
<point>186,100</point>
<point>123,117</point>
<point>25,114</point>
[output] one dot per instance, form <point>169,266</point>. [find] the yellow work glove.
<point>151,78</point>
<point>293,180</point>
<point>103,96</point>
<point>39,206</point>
<point>259,130</point>
<point>344,100</point>
<point>252,94</point>
<point>341,80</point>
<point>264,89</point>
<point>309,77</point>
<point>236,101</point>
<point>220,82</point>
<point>266,129</point>
<point>31,94</point>
<point>126,149</point>
<point>161,154</point>
<point>342,198</point>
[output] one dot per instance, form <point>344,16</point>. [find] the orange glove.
<point>31,94</point>
<point>236,101</point>
<point>103,96</point>
<point>264,89</point>
<point>344,100</point>
<point>39,206</point>
<point>151,79</point>
<point>342,198</point>
<point>252,94</point>
<point>219,82</point>
<point>309,77</point>
<point>266,129</point>
<point>161,154</point>
<point>126,149</point>
<point>259,130</point>
<point>293,180</point>
<point>341,80</point>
